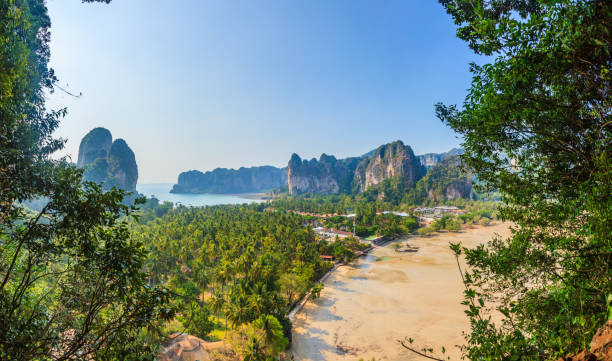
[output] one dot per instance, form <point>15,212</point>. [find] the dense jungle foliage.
<point>87,277</point>
<point>232,265</point>
<point>537,127</point>
<point>72,283</point>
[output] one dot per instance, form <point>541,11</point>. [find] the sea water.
<point>161,191</point>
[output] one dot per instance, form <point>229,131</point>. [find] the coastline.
<point>162,192</point>
<point>368,305</point>
<point>252,196</point>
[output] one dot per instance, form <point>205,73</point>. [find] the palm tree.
<point>254,350</point>
<point>272,332</point>
<point>239,311</point>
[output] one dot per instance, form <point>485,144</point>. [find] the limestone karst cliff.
<point>223,180</point>
<point>95,145</point>
<point>446,181</point>
<point>123,169</point>
<point>327,175</point>
<point>393,160</point>
<point>111,163</point>
<point>428,160</point>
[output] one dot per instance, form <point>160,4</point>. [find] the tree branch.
<point>401,342</point>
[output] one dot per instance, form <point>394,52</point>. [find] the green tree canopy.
<point>71,280</point>
<point>537,125</point>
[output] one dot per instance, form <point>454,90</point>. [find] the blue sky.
<point>199,84</point>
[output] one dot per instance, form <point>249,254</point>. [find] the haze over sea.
<point>161,191</point>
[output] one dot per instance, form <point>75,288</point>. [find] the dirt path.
<point>366,307</point>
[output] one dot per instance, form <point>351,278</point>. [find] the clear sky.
<point>200,84</point>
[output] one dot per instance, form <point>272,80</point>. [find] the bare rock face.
<point>446,181</point>
<point>459,188</point>
<point>393,160</point>
<point>111,163</point>
<point>600,347</point>
<point>96,144</point>
<point>430,159</point>
<point>123,172</point>
<point>223,180</point>
<point>327,175</point>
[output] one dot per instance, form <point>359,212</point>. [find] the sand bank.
<point>386,295</point>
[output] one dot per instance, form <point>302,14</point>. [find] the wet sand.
<point>387,295</point>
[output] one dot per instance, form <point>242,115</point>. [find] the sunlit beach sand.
<point>366,307</point>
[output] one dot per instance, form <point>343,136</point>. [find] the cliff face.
<point>123,170</point>
<point>393,160</point>
<point>446,181</point>
<point>223,180</point>
<point>430,159</point>
<point>111,163</point>
<point>96,144</point>
<point>328,175</point>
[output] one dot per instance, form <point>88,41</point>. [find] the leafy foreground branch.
<point>72,285</point>
<point>425,352</point>
<point>537,127</point>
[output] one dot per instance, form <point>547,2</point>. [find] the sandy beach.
<point>387,295</point>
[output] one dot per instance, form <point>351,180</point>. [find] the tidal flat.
<point>385,296</point>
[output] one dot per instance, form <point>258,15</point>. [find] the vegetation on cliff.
<point>393,160</point>
<point>329,175</point>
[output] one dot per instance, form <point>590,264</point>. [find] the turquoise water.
<point>161,191</point>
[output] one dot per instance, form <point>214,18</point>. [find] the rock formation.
<point>393,160</point>
<point>96,144</point>
<point>223,180</point>
<point>123,170</point>
<point>184,347</point>
<point>446,181</point>
<point>111,163</point>
<point>328,175</point>
<point>600,348</point>
<point>430,159</point>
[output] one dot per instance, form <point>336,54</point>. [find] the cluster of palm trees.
<point>235,260</point>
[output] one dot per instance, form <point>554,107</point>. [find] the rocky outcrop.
<point>459,188</point>
<point>600,348</point>
<point>113,164</point>
<point>393,160</point>
<point>96,144</point>
<point>446,181</point>
<point>430,159</point>
<point>123,171</point>
<point>327,175</point>
<point>223,180</point>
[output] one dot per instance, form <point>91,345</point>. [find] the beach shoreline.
<point>366,306</point>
